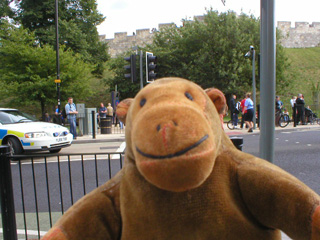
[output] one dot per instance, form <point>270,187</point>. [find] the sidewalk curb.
<point>81,141</point>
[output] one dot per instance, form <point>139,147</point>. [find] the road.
<point>91,147</point>
<point>297,152</point>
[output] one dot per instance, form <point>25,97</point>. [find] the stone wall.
<point>303,35</point>
<point>121,42</point>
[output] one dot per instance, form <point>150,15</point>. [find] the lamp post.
<point>57,80</point>
<point>252,54</point>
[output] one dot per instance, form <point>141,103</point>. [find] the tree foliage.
<point>78,20</point>
<point>211,52</point>
<point>28,71</point>
<point>5,9</point>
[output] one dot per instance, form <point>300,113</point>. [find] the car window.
<point>5,118</point>
<point>14,116</point>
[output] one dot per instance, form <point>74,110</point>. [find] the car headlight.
<point>65,133</point>
<point>35,135</point>
<point>60,134</point>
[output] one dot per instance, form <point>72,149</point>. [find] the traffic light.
<point>131,68</point>
<point>151,67</point>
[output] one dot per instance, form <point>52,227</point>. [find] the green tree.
<point>211,52</point>
<point>78,20</point>
<point>28,71</point>
<point>5,9</point>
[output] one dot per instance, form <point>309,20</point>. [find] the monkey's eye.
<point>189,96</point>
<point>143,102</point>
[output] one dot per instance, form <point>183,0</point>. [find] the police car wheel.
<point>15,146</point>
<point>55,150</point>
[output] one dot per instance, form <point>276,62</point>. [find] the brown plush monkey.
<point>183,179</point>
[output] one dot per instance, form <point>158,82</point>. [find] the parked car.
<point>23,132</point>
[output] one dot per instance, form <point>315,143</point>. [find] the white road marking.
<point>29,232</point>
<point>120,149</point>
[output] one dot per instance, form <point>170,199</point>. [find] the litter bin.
<point>105,125</point>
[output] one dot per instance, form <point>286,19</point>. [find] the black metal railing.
<point>37,189</point>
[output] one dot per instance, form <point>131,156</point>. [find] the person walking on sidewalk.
<point>234,111</point>
<point>110,112</point>
<point>279,106</point>
<point>248,106</point>
<point>243,113</point>
<point>300,110</point>
<point>293,106</point>
<point>72,112</point>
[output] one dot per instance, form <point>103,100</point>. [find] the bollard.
<point>237,142</point>
<point>93,124</point>
<point>7,202</point>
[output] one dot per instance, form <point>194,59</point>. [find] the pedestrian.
<point>243,113</point>
<point>56,111</point>
<point>292,103</point>
<point>102,112</point>
<point>47,117</point>
<point>110,112</point>
<point>300,109</point>
<point>58,118</point>
<point>248,106</point>
<point>234,111</point>
<point>72,112</point>
<point>279,105</point>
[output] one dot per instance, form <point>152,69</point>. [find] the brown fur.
<point>184,179</point>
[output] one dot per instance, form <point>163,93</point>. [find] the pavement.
<point>120,137</point>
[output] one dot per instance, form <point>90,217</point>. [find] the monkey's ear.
<point>218,99</point>
<point>122,109</point>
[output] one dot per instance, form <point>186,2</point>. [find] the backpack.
<point>238,108</point>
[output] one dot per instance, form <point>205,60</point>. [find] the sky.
<point>130,15</point>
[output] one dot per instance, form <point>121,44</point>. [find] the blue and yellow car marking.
<point>27,144</point>
<point>5,132</point>
<point>18,134</point>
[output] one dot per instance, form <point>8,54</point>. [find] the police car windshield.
<point>15,116</point>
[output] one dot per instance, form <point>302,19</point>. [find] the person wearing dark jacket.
<point>234,111</point>
<point>300,109</point>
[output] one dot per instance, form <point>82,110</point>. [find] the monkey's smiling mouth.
<point>177,154</point>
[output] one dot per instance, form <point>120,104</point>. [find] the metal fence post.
<point>237,142</point>
<point>7,202</point>
<point>93,124</point>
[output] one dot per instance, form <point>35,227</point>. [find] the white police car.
<point>23,132</point>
